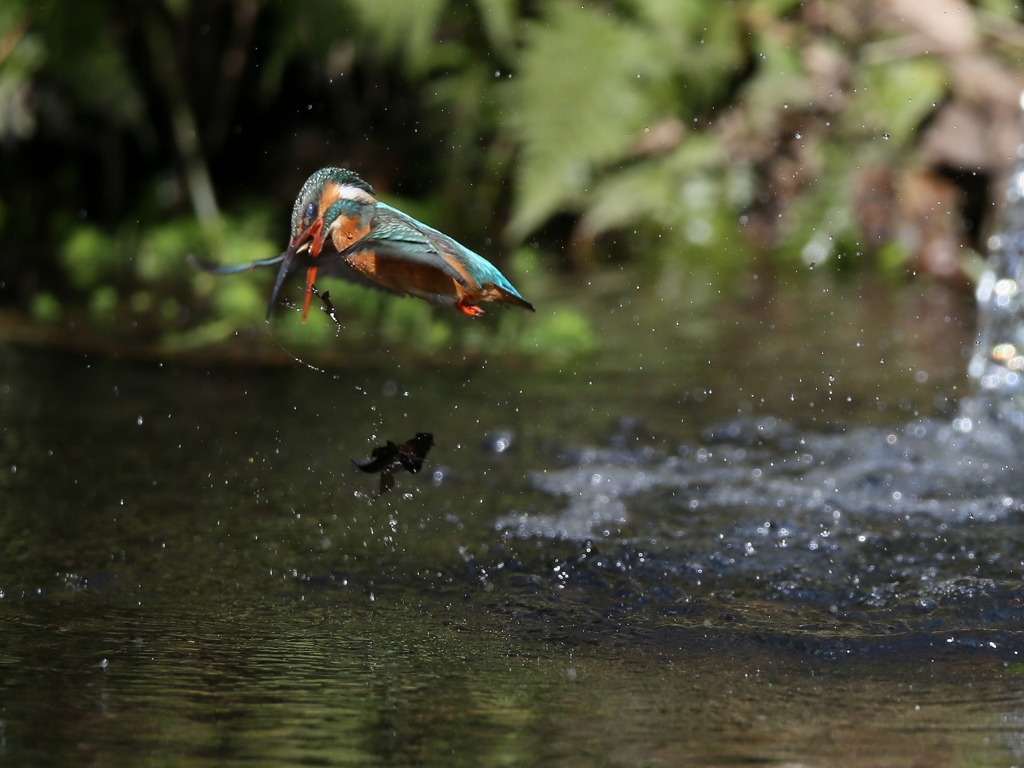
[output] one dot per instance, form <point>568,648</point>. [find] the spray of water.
<point>964,470</point>
<point>994,411</point>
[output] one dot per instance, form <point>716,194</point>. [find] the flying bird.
<point>339,228</point>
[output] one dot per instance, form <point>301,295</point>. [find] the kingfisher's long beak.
<point>308,242</point>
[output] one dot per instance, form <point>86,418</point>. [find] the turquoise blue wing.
<point>397,235</point>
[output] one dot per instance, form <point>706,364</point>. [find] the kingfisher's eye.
<point>310,211</point>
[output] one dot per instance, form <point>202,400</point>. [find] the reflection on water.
<point>298,684</point>
<point>192,571</point>
<point>620,561</point>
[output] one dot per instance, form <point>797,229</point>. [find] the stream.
<point>777,526</point>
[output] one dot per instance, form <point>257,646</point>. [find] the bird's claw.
<point>467,307</point>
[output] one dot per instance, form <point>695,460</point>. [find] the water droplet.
<point>499,441</point>
<point>1006,287</point>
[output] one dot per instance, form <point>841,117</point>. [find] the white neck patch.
<point>350,192</point>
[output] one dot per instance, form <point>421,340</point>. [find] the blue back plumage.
<point>414,239</point>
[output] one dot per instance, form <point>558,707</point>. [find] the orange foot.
<point>467,307</point>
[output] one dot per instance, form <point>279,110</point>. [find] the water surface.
<point>740,532</point>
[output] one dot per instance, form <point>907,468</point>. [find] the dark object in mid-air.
<point>388,459</point>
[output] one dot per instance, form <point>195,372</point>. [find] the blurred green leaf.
<point>779,82</point>
<point>646,192</point>
<point>893,99</point>
<point>103,304</point>
<point>820,225</point>
<point>776,8</point>
<point>163,247</point>
<point>588,84</point>
<point>563,333</point>
<point>89,256</point>
<point>1009,9</point>
<point>893,257</point>
<point>46,308</point>
<point>702,43</point>
<point>22,54</point>
<point>240,301</point>
<point>499,22</point>
<point>403,29</point>
<point>404,320</point>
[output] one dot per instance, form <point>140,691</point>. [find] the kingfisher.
<point>339,228</point>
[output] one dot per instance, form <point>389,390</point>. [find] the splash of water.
<point>994,411</point>
<point>948,472</point>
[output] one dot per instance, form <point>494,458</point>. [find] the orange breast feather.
<point>405,276</point>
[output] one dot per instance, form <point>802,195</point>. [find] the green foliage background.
<point>554,137</point>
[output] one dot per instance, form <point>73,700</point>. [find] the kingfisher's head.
<point>320,202</point>
<point>325,196</point>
